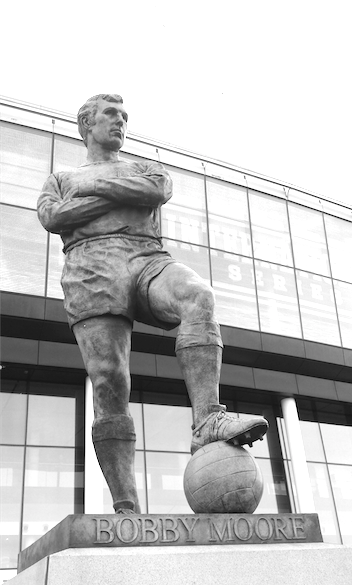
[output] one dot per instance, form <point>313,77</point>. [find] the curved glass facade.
<point>277,266</point>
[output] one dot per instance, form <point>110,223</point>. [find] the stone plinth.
<point>165,531</point>
<point>274,564</point>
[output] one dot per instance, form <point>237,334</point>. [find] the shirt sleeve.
<point>58,214</point>
<point>150,188</point>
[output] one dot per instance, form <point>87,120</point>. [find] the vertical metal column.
<point>93,477</point>
<point>305,502</point>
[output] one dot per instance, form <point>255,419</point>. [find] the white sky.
<point>263,84</point>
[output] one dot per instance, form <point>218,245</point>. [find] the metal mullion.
<point>332,280</point>
<point>294,268</point>
<point>48,235</point>
<point>145,457</point>
<point>207,222</point>
<point>24,468</point>
<point>253,260</point>
<point>330,483</point>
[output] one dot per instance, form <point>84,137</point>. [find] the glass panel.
<point>318,311</point>
<point>13,416</point>
<point>271,239</point>
<point>324,503</point>
<point>233,283</point>
<point>25,164</point>
<point>275,496</point>
<point>23,251</point>
<point>343,294</point>
<point>49,490</point>
<point>339,234</point>
<point>183,217</point>
<point>195,257</point>
<point>141,149</point>
<point>341,480</point>
<point>278,306</point>
<point>68,154</point>
<point>165,483</point>
<point>308,239</point>
<point>11,471</point>
<point>167,428</point>
<point>313,445</point>
<point>337,442</point>
<point>228,217</point>
<point>140,482</point>
<point>23,117</point>
<point>56,264</point>
<point>51,421</point>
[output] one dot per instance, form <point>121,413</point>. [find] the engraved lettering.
<point>295,528</point>
<point>175,535</point>
<point>226,528</point>
<point>190,537</point>
<point>268,531</point>
<point>237,529</point>
<point>101,529</point>
<point>127,533</point>
<point>152,529</point>
<point>279,528</point>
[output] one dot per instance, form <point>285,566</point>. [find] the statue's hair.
<point>89,109</point>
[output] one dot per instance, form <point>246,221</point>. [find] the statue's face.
<point>110,125</point>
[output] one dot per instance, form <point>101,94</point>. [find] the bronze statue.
<point>115,272</point>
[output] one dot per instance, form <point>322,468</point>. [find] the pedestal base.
<point>277,564</point>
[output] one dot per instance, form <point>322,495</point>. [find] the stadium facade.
<point>279,260</point>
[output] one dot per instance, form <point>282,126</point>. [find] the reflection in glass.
<point>68,154</point>
<point>233,283</point>
<point>13,414</point>
<point>339,235</point>
<point>183,217</point>
<point>23,251</point>
<point>167,428</point>
<point>51,421</point>
<point>11,462</point>
<point>228,217</point>
<point>313,445</point>
<point>49,490</point>
<point>337,443</point>
<point>308,239</point>
<point>324,503</point>
<point>165,483</point>
<point>343,294</point>
<point>56,264</point>
<point>193,256</point>
<point>341,480</point>
<point>25,164</point>
<point>271,238</point>
<point>318,310</point>
<point>275,496</point>
<point>278,306</point>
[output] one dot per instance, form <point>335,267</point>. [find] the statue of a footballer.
<point>116,271</point>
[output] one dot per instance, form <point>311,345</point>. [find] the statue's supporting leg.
<point>105,344</point>
<point>114,441</point>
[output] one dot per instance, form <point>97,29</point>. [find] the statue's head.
<point>86,114</point>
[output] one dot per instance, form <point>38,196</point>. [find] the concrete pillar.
<point>93,477</point>
<point>304,495</point>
